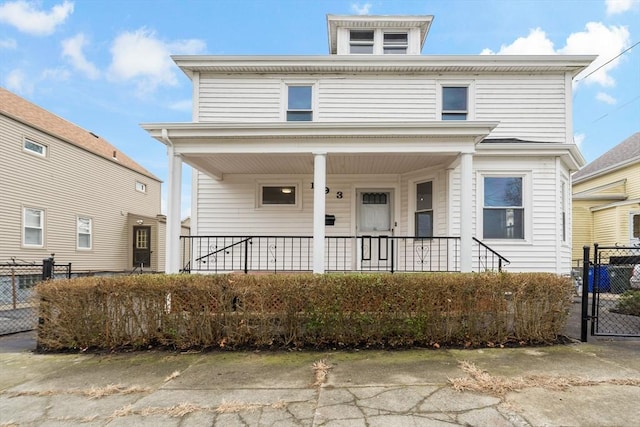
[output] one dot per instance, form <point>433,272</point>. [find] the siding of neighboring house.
<point>69,182</point>
<point>531,108</point>
<point>606,221</point>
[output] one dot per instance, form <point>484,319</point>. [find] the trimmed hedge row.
<point>301,310</point>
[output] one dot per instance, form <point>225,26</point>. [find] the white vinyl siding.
<point>528,107</point>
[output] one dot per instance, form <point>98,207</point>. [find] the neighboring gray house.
<point>375,157</point>
<point>67,191</point>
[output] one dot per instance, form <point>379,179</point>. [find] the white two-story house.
<point>375,157</point>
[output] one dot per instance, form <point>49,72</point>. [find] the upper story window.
<point>34,147</point>
<point>33,223</point>
<point>455,102</point>
<point>503,211</point>
<point>299,103</point>
<point>361,41</point>
<point>141,187</point>
<point>395,43</point>
<point>378,42</point>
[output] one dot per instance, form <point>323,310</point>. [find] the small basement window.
<point>271,195</point>
<point>34,147</point>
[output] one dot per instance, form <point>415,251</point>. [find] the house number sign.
<point>327,190</point>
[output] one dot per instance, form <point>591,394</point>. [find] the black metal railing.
<point>487,259</point>
<point>223,254</point>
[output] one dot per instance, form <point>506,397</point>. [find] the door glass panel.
<point>374,212</point>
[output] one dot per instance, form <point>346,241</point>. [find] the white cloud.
<point>184,105</point>
<point>8,44</point>
<point>17,81</point>
<point>140,56</point>
<point>615,7</point>
<point>606,98</point>
<point>26,16</point>
<point>578,139</point>
<point>359,9</point>
<point>56,74</point>
<point>72,49</point>
<point>597,39</point>
<point>536,43</point>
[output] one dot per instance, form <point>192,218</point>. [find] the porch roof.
<point>287,148</point>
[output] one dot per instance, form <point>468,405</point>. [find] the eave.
<point>569,153</point>
<point>384,64</point>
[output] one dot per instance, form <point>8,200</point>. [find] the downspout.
<point>172,243</point>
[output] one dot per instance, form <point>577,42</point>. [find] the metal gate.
<point>611,291</point>
<point>17,295</point>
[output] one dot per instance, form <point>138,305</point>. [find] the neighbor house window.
<point>424,209</point>
<point>361,41</point>
<point>278,195</point>
<point>503,212</point>
<point>141,187</point>
<point>299,103</point>
<point>33,227</point>
<point>395,43</point>
<point>84,226</point>
<point>34,147</point>
<point>455,102</point>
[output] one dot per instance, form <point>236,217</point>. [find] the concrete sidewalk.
<point>593,384</point>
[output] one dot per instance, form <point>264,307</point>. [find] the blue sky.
<point>105,66</point>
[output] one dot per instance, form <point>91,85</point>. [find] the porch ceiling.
<point>363,163</point>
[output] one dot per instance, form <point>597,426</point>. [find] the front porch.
<point>228,254</point>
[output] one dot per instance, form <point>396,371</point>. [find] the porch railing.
<point>223,254</point>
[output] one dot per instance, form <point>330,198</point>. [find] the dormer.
<point>377,35</point>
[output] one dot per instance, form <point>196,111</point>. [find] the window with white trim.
<point>424,209</point>
<point>455,102</point>
<point>361,41</point>
<point>141,187</point>
<point>503,207</point>
<point>84,231</point>
<point>35,148</point>
<point>33,227</point>
<point>278,195</point>
<point>395,43</point>
<point>563,205</point>
<point>299,103</point>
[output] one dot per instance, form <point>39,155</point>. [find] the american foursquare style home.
<point>375,157</point>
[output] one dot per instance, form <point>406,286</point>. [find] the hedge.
<point>301,310</point>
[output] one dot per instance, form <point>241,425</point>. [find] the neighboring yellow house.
<point>606,199</point>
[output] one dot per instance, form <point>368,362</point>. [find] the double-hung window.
<point>503,211</point>
<point>395,43</point>
<point>84,230</point>
<point>299,103</point>
<point>361,41</point>
<point>33,222</point>
<point>563,204</point>
<point>424,209</point>
<point>455,102</point>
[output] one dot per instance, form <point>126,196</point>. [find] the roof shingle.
<point>623,154</point>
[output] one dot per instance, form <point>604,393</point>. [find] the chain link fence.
<point>17,297</point>
<point>614,280</point>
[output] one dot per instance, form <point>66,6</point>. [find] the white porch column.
<point>174,197</point>
<point>319,184</point>
<point>466,215</point>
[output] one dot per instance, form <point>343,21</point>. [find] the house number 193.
<point>339,194</point>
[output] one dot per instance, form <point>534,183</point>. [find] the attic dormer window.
<point>361,41</point>
<point>395,43</point>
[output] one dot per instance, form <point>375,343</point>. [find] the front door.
<point>374,229</point>
<point>634,229</point>
<point>141,247</point>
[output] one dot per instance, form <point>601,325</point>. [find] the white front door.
<point>374,229</point>
<point>634,229</point>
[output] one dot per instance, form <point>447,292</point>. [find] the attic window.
<point>141,187</point>
<point>395,43</point>
<point>361,41</point>
<point>34,147</point>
